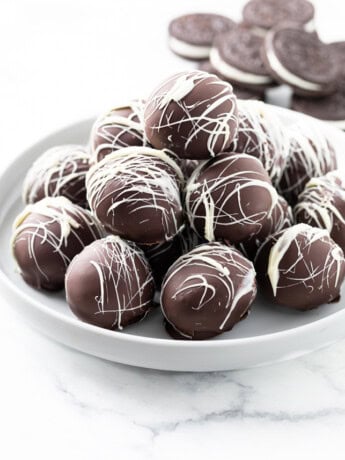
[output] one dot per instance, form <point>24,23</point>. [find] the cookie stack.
<point>189,194</point>
<point>276,43</point>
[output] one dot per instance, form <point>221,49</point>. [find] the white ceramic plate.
<point>268,335</point>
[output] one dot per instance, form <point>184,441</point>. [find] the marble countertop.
<point>64,60</point>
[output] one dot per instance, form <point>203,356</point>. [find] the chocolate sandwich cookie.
<point>338,48</point>
<point>239,91</point>
<point>236,55</point>
<point>328,108</point>
<point>301,60</point>
<point>262,15</point>
<point>191,35</point>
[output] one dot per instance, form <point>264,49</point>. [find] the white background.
<point>61,61</point>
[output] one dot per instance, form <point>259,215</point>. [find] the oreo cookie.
<point>299,59</point>
<point>329,108</point>
<point>237,56</point>
<point>338,49</point>
<point>191,36</point>
<point>262,15</point>
<point>239,91</point>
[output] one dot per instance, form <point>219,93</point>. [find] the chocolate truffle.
<point>194,114</point>
<point>310,154</point>
<point>299,59</point>
<point>322,204</point>
<point>237,56</point>
<point>47,235</point>
<point>261,134</point>
<point>135,193</point>
<point>59,171</point>
<point>120,127</point>
<point>300,267</point>
<point>207,291</point>
<point>109,284</point>
<point>280,218</point>
<point>161,256</point>
<point>229,197</point>
<point>262,15</point>
<point>191,35</point>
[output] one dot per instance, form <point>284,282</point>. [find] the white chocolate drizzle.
<point>213,212</point>
<point>55,170</point>
<point>55,211</point>
<point>216,127</point>
<point>262,135</point>
<point>310,155</point>
<point>111,130</point>
<point>213,264</point>
<point>303,236</point>
<point>317,203</point>
<point>140,171</point>
<point>123,276</point>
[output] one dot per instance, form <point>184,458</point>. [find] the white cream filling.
<point>337,123</point>
<point>284,73</point>
<point>188,50</point>
<point>309,26</point>
<point>232,73</point>
<point>259,31</point>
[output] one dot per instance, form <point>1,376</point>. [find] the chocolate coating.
<point>120,127</point>
<point>281,217</point>
<point>310,154</point>
<point>266,14</point>
<point>199,28</point>
<point>109,284</point>
<point>188,167</point>
<point>207,291</point>
<point>228,197</point>
<point>322,204</point>
<point>194,114</point>
<point>301,60</point>
<point>261,134</point>
<point>47,235</point>
<point>59,171</point>
<point>135,193</point>
<point>300,267</point>
<point>162,256</point>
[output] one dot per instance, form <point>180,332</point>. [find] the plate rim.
<point>165,342</point>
